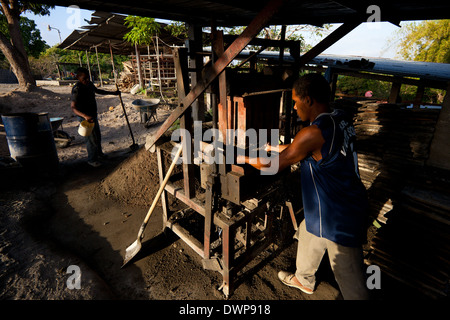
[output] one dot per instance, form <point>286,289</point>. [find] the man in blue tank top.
<point>334,198</point>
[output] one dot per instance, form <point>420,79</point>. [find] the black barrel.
<point>30,140</point>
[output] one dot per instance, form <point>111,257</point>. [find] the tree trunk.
<point>21,68</point>
<point>14,50</point>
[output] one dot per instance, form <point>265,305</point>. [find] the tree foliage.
<point>46,64</point>
<point>32,39</point>
<point>425,41</point>
<point>143,29</point>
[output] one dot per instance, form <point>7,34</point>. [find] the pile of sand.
<point>136,180</point>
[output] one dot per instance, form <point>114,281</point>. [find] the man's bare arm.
<point>278,148</point>
<point>104,92</point>
<point>307,141</point>
<point>73,105</point>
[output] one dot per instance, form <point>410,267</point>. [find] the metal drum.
<point>30,140</point>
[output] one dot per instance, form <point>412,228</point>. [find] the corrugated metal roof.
<point>416,69</point>
<point>239,12</point>
<point>105,28</point>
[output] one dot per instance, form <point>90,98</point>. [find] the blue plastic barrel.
<point>30,139</point>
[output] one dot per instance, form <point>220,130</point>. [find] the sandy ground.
<point>87,217</point>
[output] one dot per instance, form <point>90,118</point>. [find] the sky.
<point>368,39</point>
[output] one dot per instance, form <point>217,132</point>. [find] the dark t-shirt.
<point>84,97</point>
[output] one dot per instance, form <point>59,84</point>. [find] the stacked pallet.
<point>410,199</point>
<point>414,246</point>
<point>392,141</point>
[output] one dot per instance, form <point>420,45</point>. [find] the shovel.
<point>134,146</point>
<point>135,247</point>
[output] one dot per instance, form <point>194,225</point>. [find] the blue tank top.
<point>334,198</point>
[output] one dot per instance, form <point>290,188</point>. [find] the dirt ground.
<point>87,217</point>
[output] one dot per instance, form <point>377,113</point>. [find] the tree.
<point>12,43</point>
<point>143,30</point>
<point>425,41</point>
<point>33,42</point>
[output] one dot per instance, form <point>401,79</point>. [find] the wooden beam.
<point>99,70</point>
<point>88,65</point>
<point>208,217</point>
<point>186,123</point>
<point>264,42</point>
<point>218,49</point>
<point>331,39</point>
<point>258,23</point>
<point>419,96</point>
<point>194,45</point>
<point>395,92</point>
<point>440,150</point>
<point>112,62</point>
<point>179,194</point>
<point>138,64</point>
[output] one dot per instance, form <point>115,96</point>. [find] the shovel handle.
<point>161,189</point>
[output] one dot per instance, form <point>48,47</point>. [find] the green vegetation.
<point>426,41</point>
<point>359,86</point>
<point>45,64</point>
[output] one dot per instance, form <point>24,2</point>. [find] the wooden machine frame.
<point>244,226</point>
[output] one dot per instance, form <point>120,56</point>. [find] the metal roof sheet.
<point>105,28</point>
<point>239,13</point>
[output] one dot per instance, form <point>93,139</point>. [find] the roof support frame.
<point>252,30</point>
<point>331,39</point>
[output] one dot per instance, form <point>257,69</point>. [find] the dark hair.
<point>82,70</point>
<point>313,85</point>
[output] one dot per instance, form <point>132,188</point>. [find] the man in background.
<point>85,107</point>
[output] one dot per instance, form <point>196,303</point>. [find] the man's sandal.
<point>291,280</point>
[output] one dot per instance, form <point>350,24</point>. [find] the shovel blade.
<point>131,251</point>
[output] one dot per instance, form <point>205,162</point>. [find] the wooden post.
<point>218,49</point>
<point>158,64</point>
<point>194,45</point>
<point>150,68</point>
<point>112,63</point>
<point>88,65</point>
<point>440,150</point>
<point>334,78</point>
<point>419,97</point>
<point>395,92</point>
<point>99,70</point>
<point>139,69</point>
<point>186,123</point>
<point>282,38</point>
<point>287,104</point>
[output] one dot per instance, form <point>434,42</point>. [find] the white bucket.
<point>85,128</point>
